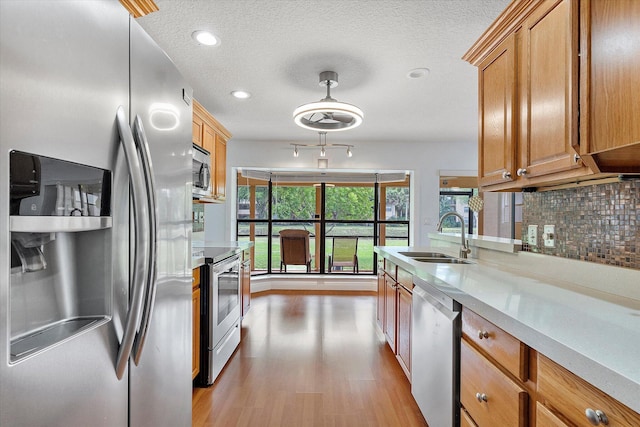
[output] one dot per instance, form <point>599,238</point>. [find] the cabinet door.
<point>405,302</point>
<point>572,397</point>
<point>496,97</point>
<point>381,288</point>
<point>220,172</point>
<point>505,349</point>
<point>548,83</point>
<point>390,304</point>
<point>490,397</point>
<point>198,128</point>
<point>195,357</point>
<point>544,417</point>
<point>609,101</point>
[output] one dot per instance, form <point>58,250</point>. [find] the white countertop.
<point>592,332</point>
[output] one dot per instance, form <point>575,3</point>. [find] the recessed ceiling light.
<point>418,73</point>
<point>205,37</point>
<point>240,94</point>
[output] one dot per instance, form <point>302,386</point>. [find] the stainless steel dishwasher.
<point>435,350</point>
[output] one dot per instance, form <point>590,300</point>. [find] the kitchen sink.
<point>448,260</point>
<point>425,255</point>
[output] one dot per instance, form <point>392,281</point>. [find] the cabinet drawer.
<point>465,419</point>
<point>405,278</point>
<point>390,268</point>
<point>504,348</point>
<point>196,278</point>
<point>571,396</point>
<point>544,417</point>
<point>506,402</point>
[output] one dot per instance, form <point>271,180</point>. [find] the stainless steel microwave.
<point>201,172</point>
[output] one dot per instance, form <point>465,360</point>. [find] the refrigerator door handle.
<point>142,144</point>
<point>141,250</point>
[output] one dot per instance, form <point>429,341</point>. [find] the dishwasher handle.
<point>437,298</point>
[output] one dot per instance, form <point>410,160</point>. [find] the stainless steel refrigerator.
<point>95,220</point>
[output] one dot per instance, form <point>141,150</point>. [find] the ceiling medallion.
<point>328,114</point>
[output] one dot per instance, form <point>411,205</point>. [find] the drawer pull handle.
<point>596,417</point>
<point>483,334</point>
<point>506,175</point>
<point>522,171</point>
<point>481,397</point>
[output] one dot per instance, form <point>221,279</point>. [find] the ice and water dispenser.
<point>61,249</point>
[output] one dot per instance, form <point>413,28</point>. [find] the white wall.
<point>425,160</point>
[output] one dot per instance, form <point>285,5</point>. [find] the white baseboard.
<point>311,283</point>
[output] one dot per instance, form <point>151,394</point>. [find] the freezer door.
<point>63,74</point>
<point>160,382</point>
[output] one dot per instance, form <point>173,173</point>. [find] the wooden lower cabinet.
<point>505,349</point>
<point>489,396</point>
<point>395,302</point>
<point>390,304</point>
<point>574,399</point>
<point>465,419</point>
<point>195,337</point>
<point>545,418</point>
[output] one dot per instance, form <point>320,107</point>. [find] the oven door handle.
<point>142,145</point>
<point>141,248</point>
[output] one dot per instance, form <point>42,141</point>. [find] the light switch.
<point>532,235</point>
<point>549,236</point>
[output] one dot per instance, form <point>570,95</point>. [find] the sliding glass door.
<point>340,221</point>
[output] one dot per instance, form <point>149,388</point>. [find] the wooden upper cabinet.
<point>197,130</point>
<point>610,84</point>
<point>528,96</point>
<point>548,87</point>
<point>496,99</point>
<point>212,136</point>
<point>139,8</point>
<point>220,186</point>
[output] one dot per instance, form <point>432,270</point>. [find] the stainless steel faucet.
<point>464,248</point>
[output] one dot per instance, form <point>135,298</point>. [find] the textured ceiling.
<point>276,49</point>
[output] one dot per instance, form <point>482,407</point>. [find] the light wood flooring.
<point>309,359</point>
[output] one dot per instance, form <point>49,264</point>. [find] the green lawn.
<point>396,234</point>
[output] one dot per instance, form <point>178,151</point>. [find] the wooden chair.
<point>344,253</point>
<point>294,249</point>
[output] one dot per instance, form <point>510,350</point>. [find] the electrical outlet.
<point>549,236</point>
<point>532,235</point>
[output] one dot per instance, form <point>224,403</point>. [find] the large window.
<point>345,220</point>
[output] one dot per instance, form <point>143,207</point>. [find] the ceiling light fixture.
<point>205,38</point>
<point>328,114</point>
<point>418,73</point>
<point>322,143</point>
<point>240,94</point>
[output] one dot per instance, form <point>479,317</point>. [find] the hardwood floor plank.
<point>309,359</point>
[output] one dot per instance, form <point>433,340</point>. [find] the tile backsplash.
<point>597,223</point>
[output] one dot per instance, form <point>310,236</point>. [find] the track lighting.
<point>322,143</point>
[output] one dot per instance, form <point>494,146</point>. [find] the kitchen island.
<point>583,316</point>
